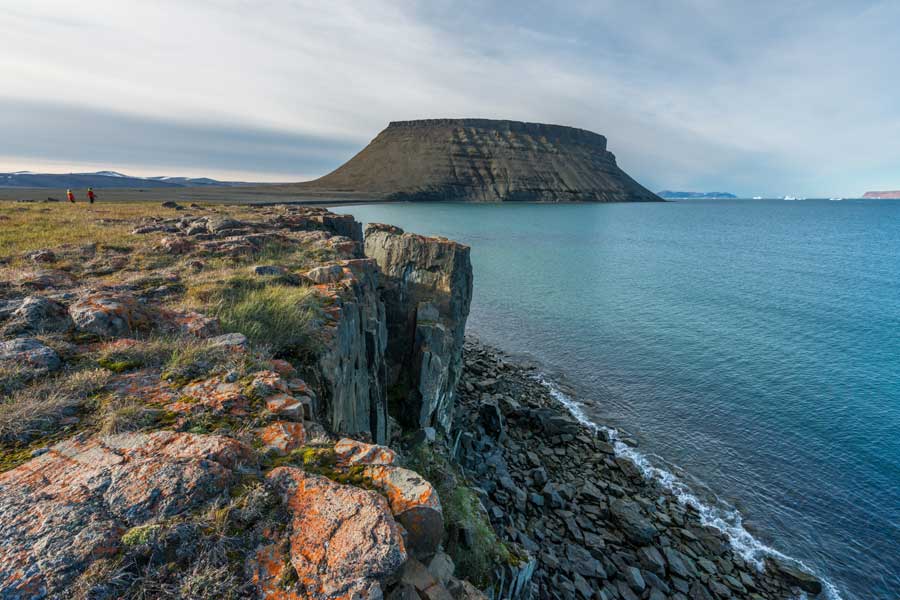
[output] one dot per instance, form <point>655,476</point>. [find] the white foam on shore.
<point>725,519</point>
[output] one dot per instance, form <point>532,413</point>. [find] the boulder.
<point>415,504</point>
<point>796,576</point>
<point>636,527</point>
<point>427,292</point>
<point>71,505</point>
<point>36,314</point>
<point>110,315</point>
<point>343,541</point>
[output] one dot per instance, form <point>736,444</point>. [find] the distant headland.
<point>888,195</point>
<point>482,160</point>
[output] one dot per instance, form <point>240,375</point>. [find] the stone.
<point>282,437</point>
<point>229,340</point>
<point>441,567</point>
<point>28,354</point>
<point>170,204</point>
<point>352,452</point>
<point>635,526</point>
<point>70,506</point>
<point>427,585</point>
<point>677,563</point>
<point>268,270</point>
<point>414,503</point>
<point>174,245</point>
<point>796,576</point>
<point>342,539</point>
<point>491,418</point>
<point>634,579</point>
<point>36,314</point>
<point>326,274</point>
<point>582,586</point>
<point>651,559</point>
<point>109,315</point>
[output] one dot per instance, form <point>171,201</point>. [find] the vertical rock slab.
<point>427,290</point>
<point>353,365</point>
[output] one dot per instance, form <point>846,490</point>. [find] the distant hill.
<point>104,180</point>
<point>670,195</point>
<point>894,194</point>
<point>480,160</point>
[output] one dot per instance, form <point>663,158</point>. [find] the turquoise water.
<point>752,347</point>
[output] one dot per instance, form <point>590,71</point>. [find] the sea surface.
<point>752,347</point>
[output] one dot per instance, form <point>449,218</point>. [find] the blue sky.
<point>755,98</point>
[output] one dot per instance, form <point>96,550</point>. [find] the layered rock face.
<point>427,289</point>
<point>483,160</point>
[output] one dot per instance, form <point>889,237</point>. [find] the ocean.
<point>751,347</point>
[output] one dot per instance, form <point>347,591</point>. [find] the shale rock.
<point>427,291</point>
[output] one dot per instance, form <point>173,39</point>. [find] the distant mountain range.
<point>105,180</point>
<point>670,195</point>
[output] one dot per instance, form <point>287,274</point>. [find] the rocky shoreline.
<point>595,527</point>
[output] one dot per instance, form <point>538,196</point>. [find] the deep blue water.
<point>753,347</point>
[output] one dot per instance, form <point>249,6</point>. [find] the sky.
<point>753,98</point>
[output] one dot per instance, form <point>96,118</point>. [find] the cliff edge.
<point>482,160</point>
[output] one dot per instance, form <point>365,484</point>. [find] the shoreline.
<point>605,498</point>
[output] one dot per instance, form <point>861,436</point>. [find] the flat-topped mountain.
<point>482,160</point>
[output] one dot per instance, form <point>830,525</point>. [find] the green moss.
<point>12,458</point>
<point>143,534</point>
<point>118,366</point>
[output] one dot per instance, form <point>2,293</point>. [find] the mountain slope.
<point>482,160</point>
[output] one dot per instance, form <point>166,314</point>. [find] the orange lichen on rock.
<point>71,505</point>
<point>343,542</point>
<point>414,502</point>
<point>283,436</point>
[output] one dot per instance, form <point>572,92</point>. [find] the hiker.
<point>70,196</point>
<point>91,195</point>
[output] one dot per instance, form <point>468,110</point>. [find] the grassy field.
<point>25,227</point>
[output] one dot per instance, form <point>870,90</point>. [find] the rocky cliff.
<point>188,413</point>
<point>482,160</point>
<point>187,409</point>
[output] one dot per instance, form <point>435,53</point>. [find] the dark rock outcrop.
<point>482,160</point>
<point>427,289</point>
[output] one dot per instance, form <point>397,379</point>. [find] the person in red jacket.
<point>91,195</point>
<point>70,196</point>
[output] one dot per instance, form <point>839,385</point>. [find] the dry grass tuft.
<point>37,410</point>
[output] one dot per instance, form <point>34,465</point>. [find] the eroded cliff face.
<point>427,289</point>
<point>483,160</point>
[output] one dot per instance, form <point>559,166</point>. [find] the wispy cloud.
<point>785,98</point>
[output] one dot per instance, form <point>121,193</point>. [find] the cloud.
<point>791,98</point>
